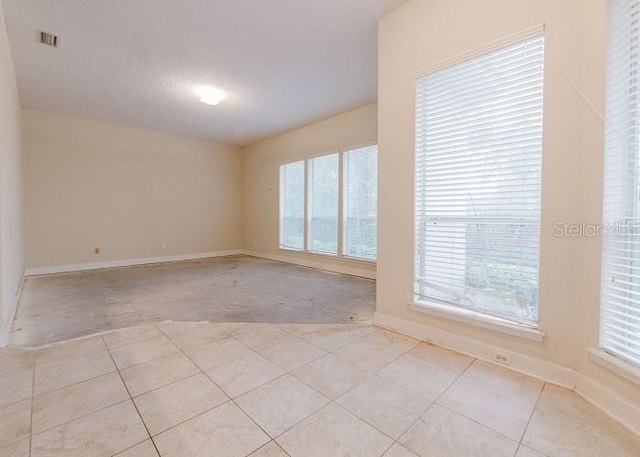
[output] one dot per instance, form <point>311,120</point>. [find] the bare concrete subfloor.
<point>227,289</point>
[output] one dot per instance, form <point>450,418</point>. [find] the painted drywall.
<point>261,175</point>
<point>422,34</point>
<point>11,227</point>
<point>132,193</point>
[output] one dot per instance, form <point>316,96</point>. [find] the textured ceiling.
<point>284,63</point>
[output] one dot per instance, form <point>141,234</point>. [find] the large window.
<point>478,183</point>
<point>328,204</point>
<point>620,302</point>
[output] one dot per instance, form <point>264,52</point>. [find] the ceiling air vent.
<point>48,38</point>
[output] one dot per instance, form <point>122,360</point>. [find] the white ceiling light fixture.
<point>272,64</point>
<point>210,95</point>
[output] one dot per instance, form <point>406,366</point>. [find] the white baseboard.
<point>531,366</point>
<point>5,332</point>
<point>35,271</point>
<point>609,401</point>
<point>606,399</point>
<point>330,264</point>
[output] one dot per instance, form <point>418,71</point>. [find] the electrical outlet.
<point>96,251</point>
<point>164,246</point>
<point>503,359</point>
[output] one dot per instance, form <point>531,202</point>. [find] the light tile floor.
<point>227,390</point>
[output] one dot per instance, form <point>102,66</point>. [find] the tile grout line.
<point>286,454</point>
<point>302,337</point>
<point>436,401</point>
<point>387,364</point>
<point>370,375</point>
<point>290,373</point>
<point>223,391</point>
<point>533,410</point>
<point>63,343</point>
<point>376,372</point>
<point>294,335</point>
<point>433,402</point>
<point>108,349</point>
<point>33,397</point>
<point>130,399</point>
<point>202,371</point>
<point>155,389</point>
<point>83,416</point>
<point>72,385</point>
<point>500,389</point>
<point>66,359</point>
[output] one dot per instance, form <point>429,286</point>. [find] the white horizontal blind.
<point>292,205</point>
<point>620,307</point>
<point>360,171</point>
<point>478,183</point>
<point>323,204</point>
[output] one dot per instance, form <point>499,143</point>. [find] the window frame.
<point>341,194</point>
<point>309,205</point>
<point>280,201</point>
<point>628,211</point>
<point>526,330</point>
<point>343,207</point>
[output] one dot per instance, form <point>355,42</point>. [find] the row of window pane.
<point>359,199</point>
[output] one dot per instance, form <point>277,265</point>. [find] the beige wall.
<point>132,193</point>
<point>425,32</point>
<point>261,174</point>
<point>11,243</point>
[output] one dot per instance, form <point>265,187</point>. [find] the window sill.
<point>358,259</point>
<point>286,249</point>
<point>328,256</point>
<point>616,365</point>
<point>476,319</point>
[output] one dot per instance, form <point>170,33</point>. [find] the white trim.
<point>35,271</point>
<point>6,331</point>
<point>359,259</point>
<point>329,256</point>
<point>609,401</point>
<point>333,264</point>
<point>326,256</point>
<point>483,49</point>
<point>4,338</point>
<point>615,364</point>
<point>525,364</point>
<point>604,398</point>
<point>477,319</point>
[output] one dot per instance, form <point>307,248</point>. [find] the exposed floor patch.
<point>227,289</point>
